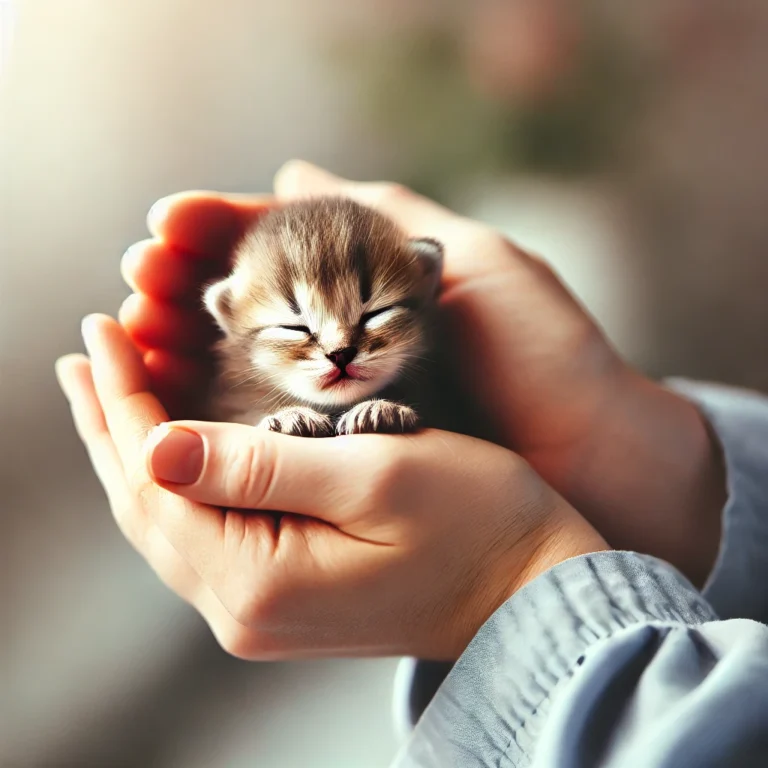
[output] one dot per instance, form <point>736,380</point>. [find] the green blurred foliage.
<point>416,94</point>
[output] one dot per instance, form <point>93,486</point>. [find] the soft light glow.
<point>6,29</point>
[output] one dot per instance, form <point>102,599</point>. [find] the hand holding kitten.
<point>635,459</point>
<point>391,547</point>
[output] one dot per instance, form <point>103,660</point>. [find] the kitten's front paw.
<point>377,416</point>
<point>300,422</point>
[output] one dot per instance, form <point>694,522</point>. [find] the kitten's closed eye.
<point>285,332</point>
<point>379,317</point>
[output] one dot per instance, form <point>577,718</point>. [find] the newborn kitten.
<point>323,314</point>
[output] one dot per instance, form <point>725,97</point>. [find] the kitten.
<point>325,313</point>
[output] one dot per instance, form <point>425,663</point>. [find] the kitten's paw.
<point>377,416</point>
<point>300,422</point>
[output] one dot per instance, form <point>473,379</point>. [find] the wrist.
<point>652,477</point>
<point>561,534</point>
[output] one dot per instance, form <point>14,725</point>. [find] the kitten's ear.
<point>218,301</point>
<point>429,252</point>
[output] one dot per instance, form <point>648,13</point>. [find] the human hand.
<point>634,458</point>
<point>394,545</point>
<point>191,246</point>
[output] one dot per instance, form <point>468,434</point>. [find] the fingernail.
<point>131,258</point>
<point>59,369</point>
<point>58,366</point>
<point>129,306</point>
<point>176,455</point>
<point>88,330</point>
<point>157,213</point>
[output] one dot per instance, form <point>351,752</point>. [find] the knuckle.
<point>249,474</point>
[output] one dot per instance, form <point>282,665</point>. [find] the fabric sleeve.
<point>608,660</point>
<point>738,584</point>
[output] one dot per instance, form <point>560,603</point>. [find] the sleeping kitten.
<point>324,313</point>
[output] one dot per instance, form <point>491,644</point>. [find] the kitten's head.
<point>326,302</point>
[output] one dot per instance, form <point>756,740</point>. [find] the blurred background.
<point>623,141</point>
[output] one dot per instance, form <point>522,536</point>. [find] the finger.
<point>205,223</point>
<point>76,381</point>
<point>159,270</point>
<point>177,371</point>
<point>74,375</point>
<point>123,388</point>
<point>131,411</point>
<point>156,324</point>
<point>230,551</point>
<point>236,466</point>
<point>179,382</point>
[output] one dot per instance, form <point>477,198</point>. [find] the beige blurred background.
<point>627,147</point>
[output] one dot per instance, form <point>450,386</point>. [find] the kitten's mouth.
<point>340,378</point>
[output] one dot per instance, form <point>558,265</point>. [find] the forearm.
<point>682,474</point>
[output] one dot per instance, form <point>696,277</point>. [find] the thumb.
<point>236,466</point>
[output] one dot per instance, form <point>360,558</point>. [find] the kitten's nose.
<point>343,357</point>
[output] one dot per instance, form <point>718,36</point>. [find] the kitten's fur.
<point>322,289</point>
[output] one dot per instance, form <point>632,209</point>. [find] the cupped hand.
<point>390,545</point>
<point>634,458</point>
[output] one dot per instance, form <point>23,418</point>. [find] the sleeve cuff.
<point>737,586</point>
<point>500,689</point>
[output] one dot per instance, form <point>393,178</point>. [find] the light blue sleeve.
<point>609,660</point>
<point>738,584</point>
<point>662,669</point>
